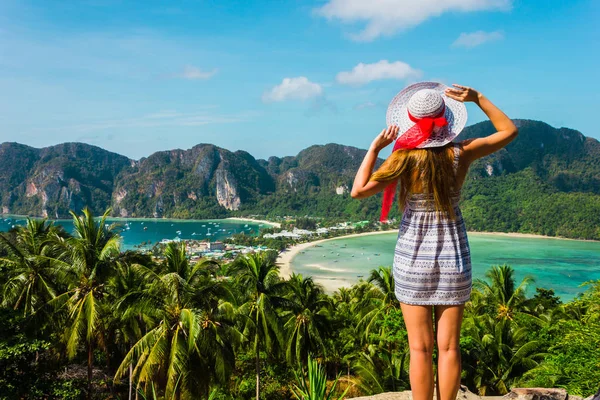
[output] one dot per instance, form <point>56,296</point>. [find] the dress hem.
<point>435,303</point>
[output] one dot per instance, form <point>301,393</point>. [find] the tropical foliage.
<point>82,318</point>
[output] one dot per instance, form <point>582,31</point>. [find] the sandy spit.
<point>258,221</point>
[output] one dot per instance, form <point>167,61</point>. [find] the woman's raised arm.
<point>506,129</point>
<point>362,186</point>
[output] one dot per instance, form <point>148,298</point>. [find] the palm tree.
<point>341,343</point>
<point>131,280</point>
<point>497,351</point>
<point>306,319</point>
<point>258,277</point>
<point>497,354</point>
<point>377,301</point>
<point>383,277</point>
<point>90,256</point>
<point>380,370</point>
<point>32,277</point>
<point>192,342</point>
<point>501,292</point>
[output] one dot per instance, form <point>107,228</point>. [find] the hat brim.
<point>456,114</point>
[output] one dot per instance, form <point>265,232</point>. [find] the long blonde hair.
<point>429,170</point>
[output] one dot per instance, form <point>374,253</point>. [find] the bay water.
<point>147,232</point>
<point>561,265</point>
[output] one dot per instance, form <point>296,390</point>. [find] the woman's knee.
<point>421,347</point>
<point>446,346</point>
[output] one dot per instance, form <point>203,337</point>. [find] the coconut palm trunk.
<point>130,381</point>
<point>90,362</point>
<point>259,275</point>
<point>257,369</point>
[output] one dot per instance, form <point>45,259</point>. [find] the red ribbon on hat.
<point>413,137</point>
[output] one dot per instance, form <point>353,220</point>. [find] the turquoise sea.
<point>149,231</point>
<point>558,264</point>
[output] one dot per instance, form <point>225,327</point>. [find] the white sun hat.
<point>427,99</point>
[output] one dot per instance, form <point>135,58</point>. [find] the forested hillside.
<point>547,181</point>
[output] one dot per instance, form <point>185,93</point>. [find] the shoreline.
<point>285,258</point>
<point>258,221</point>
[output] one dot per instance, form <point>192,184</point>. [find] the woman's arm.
<point>506,129</point>
<point>362,186</point>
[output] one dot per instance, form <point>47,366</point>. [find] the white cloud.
<point>365,73</point>
<point>299,88</point>
<point>192,73</point>
<point>478,38</point>
<point>386,17</point>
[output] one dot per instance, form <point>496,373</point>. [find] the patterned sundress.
<point>432,260</point>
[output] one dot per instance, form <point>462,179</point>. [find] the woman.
<point>432,264</point>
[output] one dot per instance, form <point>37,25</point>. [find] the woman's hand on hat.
<point>462,93</point>
<point>387,136</point>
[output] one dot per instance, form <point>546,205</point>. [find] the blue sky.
<point>273,77</point>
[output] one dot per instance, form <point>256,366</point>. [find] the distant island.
<point>546,182</point>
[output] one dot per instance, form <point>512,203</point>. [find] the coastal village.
<point>197,249</point>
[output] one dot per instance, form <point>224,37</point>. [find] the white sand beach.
<point>258,221</point>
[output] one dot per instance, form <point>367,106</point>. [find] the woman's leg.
<point>447,328</point>
<point>419,325</point>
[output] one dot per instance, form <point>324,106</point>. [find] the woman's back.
<point>432,259</point>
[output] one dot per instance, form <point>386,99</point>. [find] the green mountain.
<point>203,182</point>
<point>51,181</point>
<point>547,181</point>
